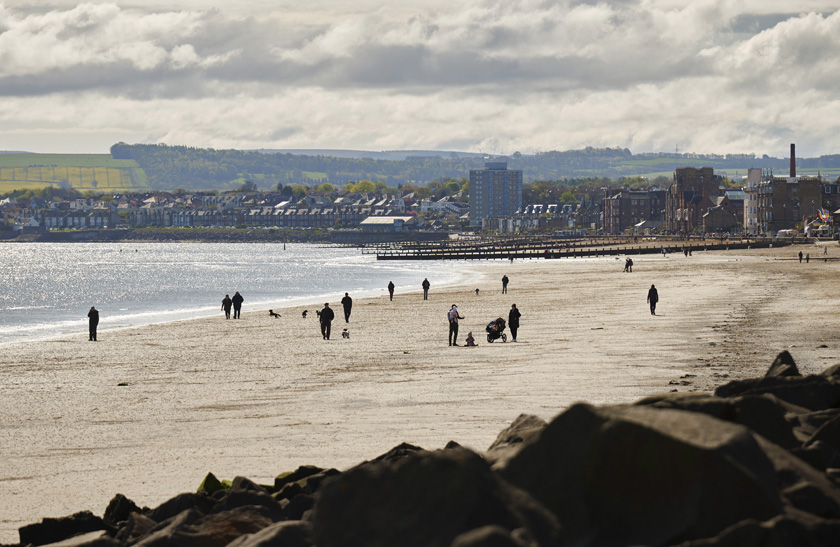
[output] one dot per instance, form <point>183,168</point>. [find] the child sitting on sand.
<point>470,339</point>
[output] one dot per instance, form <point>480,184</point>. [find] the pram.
<point>496,330</point>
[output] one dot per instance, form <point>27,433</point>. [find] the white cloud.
<point>708,75</point>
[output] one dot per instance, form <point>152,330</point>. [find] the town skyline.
<point>488,77</point>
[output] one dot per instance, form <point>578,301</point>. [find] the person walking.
<point>237,304</point>
<point>653,298</point>
<point>226,304</point>
<point>347,303</point>
<point>426,286</point>
<point>326,317</point>
<point>453,317</point>
<point>93,322</point>
<point>513,320</point>
<point>800,257</point>
<point>391,289</point>
<point>807,258</point>
<point>505,282</point>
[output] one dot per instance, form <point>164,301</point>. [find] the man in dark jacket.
<point>326,317</point>
<point>93,322</point>
<point>426,286</point>
<point>237,304</point>
<point>505,282</point>
<point>653,298</point>
<point>391,289</point>
<point>347,303</point>
<point>226,303</point>
<point>513,320</point>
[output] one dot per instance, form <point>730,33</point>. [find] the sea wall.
<point>755,463</point>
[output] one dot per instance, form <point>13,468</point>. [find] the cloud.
<point>707,75</point>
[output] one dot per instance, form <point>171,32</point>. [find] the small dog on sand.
<point>272,314</point>
<point>304,313</point>
<point>318,313</point>
<point>476,292</point>
<point>345,333</point>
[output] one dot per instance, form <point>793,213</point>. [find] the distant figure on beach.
<point>476,292</point>
<point>653,298</point>
<point>807,258</point>
<point>327,316</point>
<point>513,320</point>
<point>391,289</point>
<point>628,265</point>
<point>93,322</point>
<point>470,340</point>
<point>453,317</point>
<point>800,257</point>
<point>226,304</point>
<point>426,286</point>
<point>505,282</point>
<point>237,304</point>
<point>663,252</point>
<point>347,304</point>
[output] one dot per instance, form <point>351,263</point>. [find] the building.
<point>626,208</point>
<point>750,221</point>
<point>689,197</point>
<point>495,191</point>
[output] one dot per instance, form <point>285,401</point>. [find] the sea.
<point>46,289</point>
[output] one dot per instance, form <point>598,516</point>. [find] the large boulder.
<point>783,365</point>
<point>215,530</point>
<point>524,429</point>
<point>813,392</point>
<point>624,475</point>
<point>51,530</point>
<point>290,533</point>
<point>764,414</point>
<point>424,500</point>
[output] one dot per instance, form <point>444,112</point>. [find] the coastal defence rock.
<point>755,464</point>
<point>425,500</point>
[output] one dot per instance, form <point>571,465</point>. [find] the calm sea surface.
<point>46,289</point>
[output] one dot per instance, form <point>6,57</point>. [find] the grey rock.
<point>783,365</point>
<point>180,503</point>
<point>51,530</point>
<point>90,539</point>
<point>486,536</point>
<point>523,430</point>
<point>291,533</point>
<point>625,475</point>
<point>424,500</point>
<point>215,530</point>
<point>118,509</point>
<point>811,392</point>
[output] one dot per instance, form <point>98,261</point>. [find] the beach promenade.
<point>259,396</point>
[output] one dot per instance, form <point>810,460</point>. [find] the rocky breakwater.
<point>755,464</point>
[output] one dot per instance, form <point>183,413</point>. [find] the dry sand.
<point>259,396</point>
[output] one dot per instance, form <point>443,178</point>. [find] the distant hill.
<point>139,167</point>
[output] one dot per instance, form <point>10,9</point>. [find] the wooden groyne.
<point>519,250</point>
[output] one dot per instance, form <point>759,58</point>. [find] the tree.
<point>364,187</point>
<point>249,186</point>
<point>326,188</point>
<point>568,197</point>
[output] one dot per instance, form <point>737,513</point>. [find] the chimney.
<point>792,160</point>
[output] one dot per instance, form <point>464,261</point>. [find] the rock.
<point>781,531</point>
<point>811,392</point>
<point>806,424</point>
<point>783,365</point>
<point>832,372</point>
<point>399,451</point>
<point>763,414</point>
<point>242,483</point>
<point>299,505</point>
<point>90,539</point>
<point>424,499</point>
<point>486,536</point>
<point>215,530</point>
<point>51,530</point>
<point>135,527</point>
<point>829,433</point>
<point>210,484</point>
<point>118,510</point>
<point>818,455</point>
<point>523,430</point>
<point>288,491</point>
<point>180,503</point>
<point>626,475</point>
<point>300,473</point>
<point>292,533</point>
<point>235,498</point>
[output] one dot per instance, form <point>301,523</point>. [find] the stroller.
<point>496,330</point>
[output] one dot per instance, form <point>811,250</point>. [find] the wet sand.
<point>259,396</point>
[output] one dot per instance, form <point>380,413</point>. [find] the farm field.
<point>82,172</point>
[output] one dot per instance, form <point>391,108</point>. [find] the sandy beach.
<point>259,396</point>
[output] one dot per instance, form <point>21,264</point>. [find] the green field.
<point>98,172</point>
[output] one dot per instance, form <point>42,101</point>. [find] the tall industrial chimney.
<point>792,160</point>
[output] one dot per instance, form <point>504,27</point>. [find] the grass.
<point>98,172</point>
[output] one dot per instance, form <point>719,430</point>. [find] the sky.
<point>491,76</point>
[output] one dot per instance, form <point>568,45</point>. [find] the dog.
<point>304,313</point>
<point>476,292</point>
<point>345,333</point>
<point>272,314</point>
<point>318,313</point>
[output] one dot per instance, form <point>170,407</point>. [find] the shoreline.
<point>263,396</point>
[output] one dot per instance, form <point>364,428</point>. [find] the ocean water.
<point>46,289</point>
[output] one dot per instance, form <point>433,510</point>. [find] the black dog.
<point>304,313</point>
<point>272,314</point>
<point>345,333</point>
